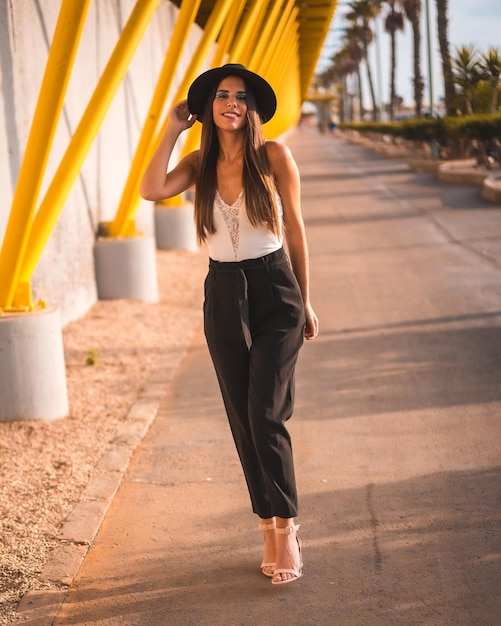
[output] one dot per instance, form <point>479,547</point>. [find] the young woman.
<point>257,307</point>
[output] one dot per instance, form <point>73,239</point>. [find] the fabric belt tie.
<point>238,268</point>
<point>243,305</point>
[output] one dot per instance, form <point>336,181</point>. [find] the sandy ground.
<point>44,466</point>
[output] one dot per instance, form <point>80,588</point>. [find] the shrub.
<point>443,130</point>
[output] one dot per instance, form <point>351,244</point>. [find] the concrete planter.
<point>491,189</point>
<point>175,228</point>
<point>126,269</point>
<point>32,367</point>
<point>424,164</point>
<point>462,171</point>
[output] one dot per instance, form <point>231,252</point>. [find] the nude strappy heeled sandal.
<point>264,528</point>
<point>288,530</point>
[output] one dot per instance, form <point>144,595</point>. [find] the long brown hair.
<point>258,183</point>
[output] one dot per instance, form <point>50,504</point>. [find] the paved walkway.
<point>397,432</point>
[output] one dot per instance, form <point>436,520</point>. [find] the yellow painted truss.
<point>281,40</point>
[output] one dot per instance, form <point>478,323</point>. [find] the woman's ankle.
<point>284,522</point>
<point>267,524</point>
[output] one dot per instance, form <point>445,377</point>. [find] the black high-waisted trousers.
<point>254,326</point>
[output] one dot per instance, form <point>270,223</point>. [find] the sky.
<point>476,22</point>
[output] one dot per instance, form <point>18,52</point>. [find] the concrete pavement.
<point>397,432</point>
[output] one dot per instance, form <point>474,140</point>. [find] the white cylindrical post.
<point>32,368</point>
<point>175,228</point>
<point>126,269</point>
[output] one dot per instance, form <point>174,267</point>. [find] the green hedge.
<point>480,127</point>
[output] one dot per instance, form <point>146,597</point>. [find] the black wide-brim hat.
<point>201,87</point>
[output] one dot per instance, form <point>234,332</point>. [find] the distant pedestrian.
<point>257,308</point>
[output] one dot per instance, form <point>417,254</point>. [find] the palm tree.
<point>394,22</point>
<point>329,83</point>
<point>443,40</point>
<point>356,48</point>
<point>361,13</point>
<point>490,67</point>
<point>343,66</point>
<point>466,72</point>
<point>413,11</point>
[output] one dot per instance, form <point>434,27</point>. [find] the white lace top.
<point>235,238</point>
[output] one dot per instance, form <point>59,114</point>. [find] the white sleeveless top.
<point>236,239</point>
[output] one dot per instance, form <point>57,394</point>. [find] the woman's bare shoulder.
<point>280,157</point>
<point>276,150</point>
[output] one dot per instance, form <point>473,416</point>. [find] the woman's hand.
<point>180,117</point>
<point>311,324</point>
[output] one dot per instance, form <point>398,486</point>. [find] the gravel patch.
<point>110,355</point>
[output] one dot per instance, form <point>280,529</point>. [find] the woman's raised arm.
<point>158,184</point>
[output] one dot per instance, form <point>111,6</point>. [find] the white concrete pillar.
<point>126,269</point>
<point>32,368</point>
<point>175,228</point>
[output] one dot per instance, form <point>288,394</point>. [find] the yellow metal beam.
<point>282,66</point>
<point>287,49</point>
<point>241,41</point>
<point>320,19</point>
<point>228,33</point>
<point>210,34</point>
<point>266,35</point>
<point>62,53</point>
<point>85,133</point>
<point>123,223</point>
<point>288,81</point>
<point>254,34</point>
<point>284,26</point>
